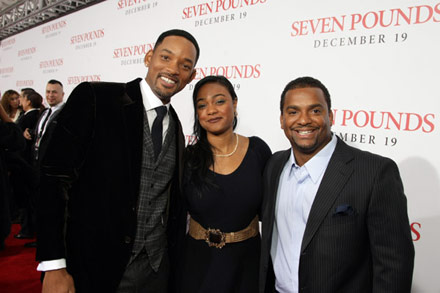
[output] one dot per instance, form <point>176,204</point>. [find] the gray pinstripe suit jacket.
<point>357,237</point>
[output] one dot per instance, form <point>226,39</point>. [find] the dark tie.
<point>156,131</point>
<point>40,134</point>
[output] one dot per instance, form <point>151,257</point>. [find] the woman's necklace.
<point>230,154</point>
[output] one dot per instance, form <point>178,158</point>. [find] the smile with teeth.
<point>304,131</point>
<point>167,80</point>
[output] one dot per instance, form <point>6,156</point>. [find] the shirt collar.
<point>318,163</point>
<point>30,110</point>
<point>149,98</point>
<point>56,107</point>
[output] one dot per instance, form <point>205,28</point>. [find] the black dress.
<point>230,208</point>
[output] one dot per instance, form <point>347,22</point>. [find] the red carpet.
<point>18,272</point>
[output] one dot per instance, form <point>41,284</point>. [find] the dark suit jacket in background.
<point>93,163</point>
<point>23,175</point>
<point>357,237</point>
<point>11,139</point>
<point>28,120</point>
<point>50,125</point>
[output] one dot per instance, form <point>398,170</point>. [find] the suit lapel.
<point>273,183</point>
<point>278,168</point>
<point>335,177</point>
<point>54,114</point>
<point>180,143</point>
<point>132,119</point>
<point>43,114</point>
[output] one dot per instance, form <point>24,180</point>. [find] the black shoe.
<point>31,244</point>
<point>23,236</point>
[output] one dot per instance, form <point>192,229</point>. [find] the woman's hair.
<point>6,100</point>
<point>199,157</point>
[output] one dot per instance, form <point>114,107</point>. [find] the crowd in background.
<point>24,115</point>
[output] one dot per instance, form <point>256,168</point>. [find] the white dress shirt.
<point>150,103</point>
<point>43,117</point>
<point>295,196</point>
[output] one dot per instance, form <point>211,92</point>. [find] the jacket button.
<point>127,239</point>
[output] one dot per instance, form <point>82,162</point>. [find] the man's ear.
<point>330,116</point>
<point>193,75</point>
<point>147,58</point>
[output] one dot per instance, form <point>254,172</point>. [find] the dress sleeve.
<point>262,150</point>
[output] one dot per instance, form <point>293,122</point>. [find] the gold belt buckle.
<point>215,237</point>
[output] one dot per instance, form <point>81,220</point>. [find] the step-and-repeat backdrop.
<point>379,59</point>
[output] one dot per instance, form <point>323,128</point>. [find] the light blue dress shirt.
<point>295,196</point>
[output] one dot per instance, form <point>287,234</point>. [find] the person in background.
<point>25,179</point>
<point>14,160</point>
<point>223,195</point>
<point>334,217</point>
<point>40,136</point>
<point>32,103</point>
<point>54,98</point>
<point>11,104</point>
<point>109,210</point>
<point>11,139</point>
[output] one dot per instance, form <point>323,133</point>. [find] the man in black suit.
<point>39,138</point>
<point>42,132</point>
<point>109,210</point>
<point>334,217</point>
<point>23,177</point>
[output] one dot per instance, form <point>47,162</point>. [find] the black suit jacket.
<point>11,139</point>
<point>28,120</point>
<point>357,237</point>
<point>50,125</point>
<point>92,164</point>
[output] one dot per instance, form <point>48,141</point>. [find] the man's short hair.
<point>36,100</point>
<point>305,82</point>
<point>27,91</point>
<point>179,33</point>
<point>54,81</point>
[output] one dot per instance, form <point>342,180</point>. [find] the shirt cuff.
<point>50,265</point>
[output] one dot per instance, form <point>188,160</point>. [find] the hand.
<point>27,134</point>
<point>58,281</point>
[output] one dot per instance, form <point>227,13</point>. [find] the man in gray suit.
<point>334,217</point>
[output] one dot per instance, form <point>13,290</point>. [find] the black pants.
<point>139,277</point>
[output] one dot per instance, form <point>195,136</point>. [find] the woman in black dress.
<point>223,194</point>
